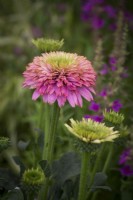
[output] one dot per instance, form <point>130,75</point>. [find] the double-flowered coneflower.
<point>59,76</point>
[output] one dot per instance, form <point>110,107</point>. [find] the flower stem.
<point>96,167</point>
<point>83,176</point>
<point>50,142</point>
<point>46,130</point>
<point>53,127</point>
<point>108,160</point>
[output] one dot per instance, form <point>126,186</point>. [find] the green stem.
<point>108,160</point>
<point>53,127</point>
<point>50,143</point>
<point>46,130</point>
<point>83,176</point>
<point>96,167</point>
<point>106,165</point>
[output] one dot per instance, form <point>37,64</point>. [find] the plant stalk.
<point>83,176</point>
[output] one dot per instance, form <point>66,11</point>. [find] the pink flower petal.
<point>86,94</point>
<point>35,95</point>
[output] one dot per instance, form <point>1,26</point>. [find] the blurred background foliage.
<point>21,21</point>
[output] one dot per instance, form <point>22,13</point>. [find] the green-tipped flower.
<point>47,45</point>
<point>113,117</point>
<point>90,131</point>
<point>32,180</point>
<point>4,143</point>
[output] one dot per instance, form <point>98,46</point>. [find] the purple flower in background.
<point>94,106</point>
<point>112,60</point>
<point>126,170</point>
<point>87,116</point>
<point>97,118</point>
<point>113,68</point>
<point>124,156</point>
<point>98,1</point>
<point>36,31</point>
<point>116,106</point>
<point>126,162</point>
<point>112,26</point>
<point>111,12</point>
<point>128,16</point>
<point>104,70</point>
<point>103,93</point>
<point>97,22</point>
<point>124,75</point>
<point>85,17</point>
<point>87,7</point>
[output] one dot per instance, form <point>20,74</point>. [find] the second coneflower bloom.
<point>61,77</point>
<point>90,131</point>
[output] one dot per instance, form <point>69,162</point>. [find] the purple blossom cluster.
<point>126,162</point>
<point>94,12</point>
<point>111,66</point>
<point>96,110</point>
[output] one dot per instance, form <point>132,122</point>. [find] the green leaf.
<point>67,190</point>
<point>20,163</point>
<point>45,167</point>
<point>99,179</point>
<point>66,167</point>
<point>23,145</point>
<point>99,182</point>
<point>103,187</point>
<point>15,194</point>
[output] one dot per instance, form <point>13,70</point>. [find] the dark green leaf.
<point>23,145</point>
<point>99,179</point>
<point>15,194</point>
<point>66,167</point>
<point>104,187</point>
<point>45,167</point>
<point>20,163</point>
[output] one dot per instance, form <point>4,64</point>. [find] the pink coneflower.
<point>61,77</point>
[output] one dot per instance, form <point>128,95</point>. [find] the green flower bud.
<point>32,180</point>
<point>47,45</point>
<point>4,143</point>
<point>112,117</point>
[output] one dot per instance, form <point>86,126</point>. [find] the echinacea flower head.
<point>32,180</point>
<point>47,45</point>
<point>59,76</point>
<point>113,117</point>
<point>90,131</point>
<point>4,143</point>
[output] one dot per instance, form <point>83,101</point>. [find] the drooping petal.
<point>35,95</point>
